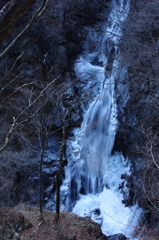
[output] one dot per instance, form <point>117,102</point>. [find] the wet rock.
<point>119,236</point>
<point>96,216</point>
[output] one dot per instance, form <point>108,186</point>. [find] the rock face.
<point>137,96</point>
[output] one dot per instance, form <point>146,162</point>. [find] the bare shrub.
<point>14,165</point>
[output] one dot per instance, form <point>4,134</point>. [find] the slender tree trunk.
<point>40,181</point>
<point>58,174</point>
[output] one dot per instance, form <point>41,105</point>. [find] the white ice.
<point>114,216</point>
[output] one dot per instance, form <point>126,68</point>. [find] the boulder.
<point>13,223</point>
<point>8,232</point>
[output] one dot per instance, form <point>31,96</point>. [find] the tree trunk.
<point>40,181</point>
<point>58,175</point>
<point>10,15</point>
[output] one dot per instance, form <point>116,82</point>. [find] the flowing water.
<point>93,186</point>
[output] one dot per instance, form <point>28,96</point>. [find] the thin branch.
<point>36,99</point>
<point>8,135</point>
<point>15,123</point>
<point>24,85</point>
<point>10,71</point>
<point>12,44</point>
<point>10,83</point>
<point>147,197</point>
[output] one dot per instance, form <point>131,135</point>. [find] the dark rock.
<point>119,236</point>
<point>46,195</point>
<point>27,224</point>
<point>16,219</point>
<point>152,219</point>
<point>13,224</point>
<point>8,232</point>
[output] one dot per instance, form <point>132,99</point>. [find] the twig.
<point>12,44</point>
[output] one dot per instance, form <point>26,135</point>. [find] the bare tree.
<point>23,116</point>
<point>13,167</point>
<point>62,113</point>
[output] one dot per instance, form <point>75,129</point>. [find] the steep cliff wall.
<point>46,51</point>
<point>138,98</point>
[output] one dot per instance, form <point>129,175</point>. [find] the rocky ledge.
<point>25,222</point>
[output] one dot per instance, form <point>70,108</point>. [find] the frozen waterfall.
<point>93,186</point>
